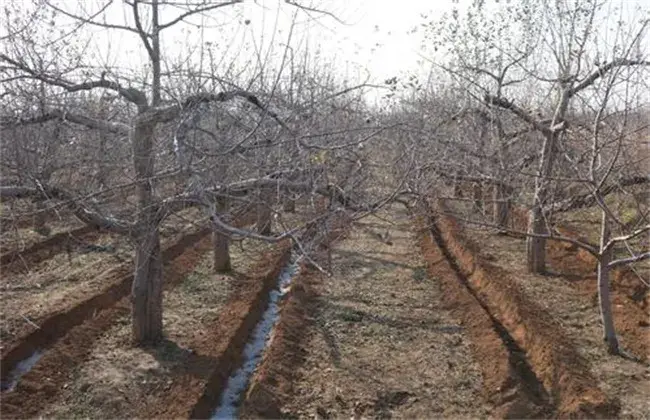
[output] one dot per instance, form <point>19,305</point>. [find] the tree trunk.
<point>289,205</point>
<point>39,224</point>
<point>536,247</point>
<point>501,205</point>
<point>147,289</point>
<point>458,188</point>
<point>264,213</point>
<point>221,252</point>
<point>609,331</point>
<point>147,283</point>
<point>477,189</point>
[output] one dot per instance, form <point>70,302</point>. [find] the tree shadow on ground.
<point>181,361</point>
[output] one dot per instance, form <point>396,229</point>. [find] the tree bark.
<point>609,331</point>
<point>477,190</point>
<point>147,289</point>
<point>289,205</point>
<point>38,222</point>
<point>264,213</point>
<point>147,282</point>
<point>536,247</point>
<point>221,252</point>
<point>501,205</point>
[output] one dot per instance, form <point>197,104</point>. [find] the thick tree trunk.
<point>501,205</point>
<point>264,214</point>
<point>221,252</point>
<point>535,246</point>
<point>609,331</point>
<point>289,205</point>
<point>147,289</point>
<point>477,194</point>
<point>147,283</point>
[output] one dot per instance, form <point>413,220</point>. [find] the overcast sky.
<point>377,37</point>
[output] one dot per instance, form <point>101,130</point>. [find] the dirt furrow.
<point>221,346</point>
<point>373,340</point>
<point>566,374</point>
<point>285,352</point>
<point>509,386</point>
<point>21,260</point>
<point>67,335</point>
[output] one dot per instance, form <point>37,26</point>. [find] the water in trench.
<point>254,349</point>
<point>21,368</point>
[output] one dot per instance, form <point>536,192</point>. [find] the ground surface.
<point>401,329</point>
<point>120,380</point>
<point>383,345</point>
<point>568,294</point>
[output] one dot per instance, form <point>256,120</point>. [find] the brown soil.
<point>79,328</point>
<point>222,343</point>
<point>578,317</point>
<point>509,383</point>
<point>15,238</point>
<point>23,259</point>
<point>553,356</point>
<point>53,308</point>
<point>73,285</point>
<point>58,283</point>
<point>372,340</point>
<point>629,296</point>
<point>118,380</point>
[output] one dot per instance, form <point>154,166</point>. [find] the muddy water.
<point>254,349</point>
<point>21,368</point>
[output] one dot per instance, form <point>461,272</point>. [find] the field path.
<point>383,343</point>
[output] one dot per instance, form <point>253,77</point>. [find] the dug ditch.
<point>554,359</point>
<point>66,337</point>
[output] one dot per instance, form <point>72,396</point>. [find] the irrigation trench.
<point>40,251</point>
<point>528,367</point>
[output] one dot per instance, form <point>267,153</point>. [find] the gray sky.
<point>376,38</point>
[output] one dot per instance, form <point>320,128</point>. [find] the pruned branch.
<point>627,237</point>
<point>602,70</point>
<point>58,114</point>
<point>629,260</point>
<point>519,112</point>
<point>81,212</point>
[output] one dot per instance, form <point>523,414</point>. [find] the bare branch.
<point>130,94</point>
<point>84,214</point>
<point>602,70</point>
<point>519,112</point>
<point>630,260</point>
<point>58,114</point>
<point>197,10</point>
<point>627,237</point>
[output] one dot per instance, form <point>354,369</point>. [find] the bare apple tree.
<point>227,137</point>
<point>557,83</point>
